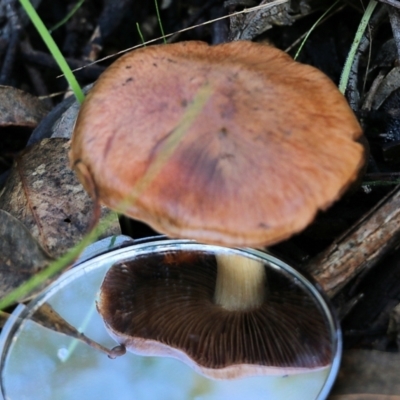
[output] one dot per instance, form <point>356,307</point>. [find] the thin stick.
<point>245,11</point>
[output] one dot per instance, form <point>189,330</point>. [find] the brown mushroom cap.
<point>164,305</point>
<point>274,142</point>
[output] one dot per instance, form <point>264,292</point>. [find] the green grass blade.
<point>313,27</point>
<point>160,23</point>
<point>74,9</point>
<point>140,34</point>
<point>53,48</point>
<point>344,79</point>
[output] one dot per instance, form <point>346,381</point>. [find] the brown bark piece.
<point>360,248</point>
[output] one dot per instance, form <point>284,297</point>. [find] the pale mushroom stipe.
<point>273,143</point>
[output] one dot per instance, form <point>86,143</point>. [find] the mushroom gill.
<point>166,305</point>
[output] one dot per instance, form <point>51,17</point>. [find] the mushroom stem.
<point>240,282</point>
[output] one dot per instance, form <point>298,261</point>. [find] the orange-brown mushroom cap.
<point>273,142</point>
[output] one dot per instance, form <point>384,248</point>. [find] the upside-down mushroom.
<point>194,307</point>
<point>233,144</point>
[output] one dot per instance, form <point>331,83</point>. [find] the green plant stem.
<point>54,50</point>
<point>140,34</point>
<point>74,9</point>
<point>344,79</point>
<point>159,22</point>
<point>313,27</point>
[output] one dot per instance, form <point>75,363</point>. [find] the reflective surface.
<point>38,363</point>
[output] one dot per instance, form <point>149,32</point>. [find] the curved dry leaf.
<point>389,84</point>
<point>268,13</point>
<point>60,121</point>
<point>249,25</point>
<point>44,194</point>
<point>18,108</point>
<point>21,256</point>
<point>64,125</point>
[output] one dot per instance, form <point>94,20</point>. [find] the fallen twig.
<point>360,248</point>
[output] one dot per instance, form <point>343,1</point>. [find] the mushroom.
<point>234,144</point>
<point>193,306</point>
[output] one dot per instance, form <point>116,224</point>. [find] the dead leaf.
<point>368,373</point>
<point>389,84</point>
<point>21,256</point>
<point>45,195</point>
<point>249,25</point>
<point>18,108</point>
<point>60,121</point>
